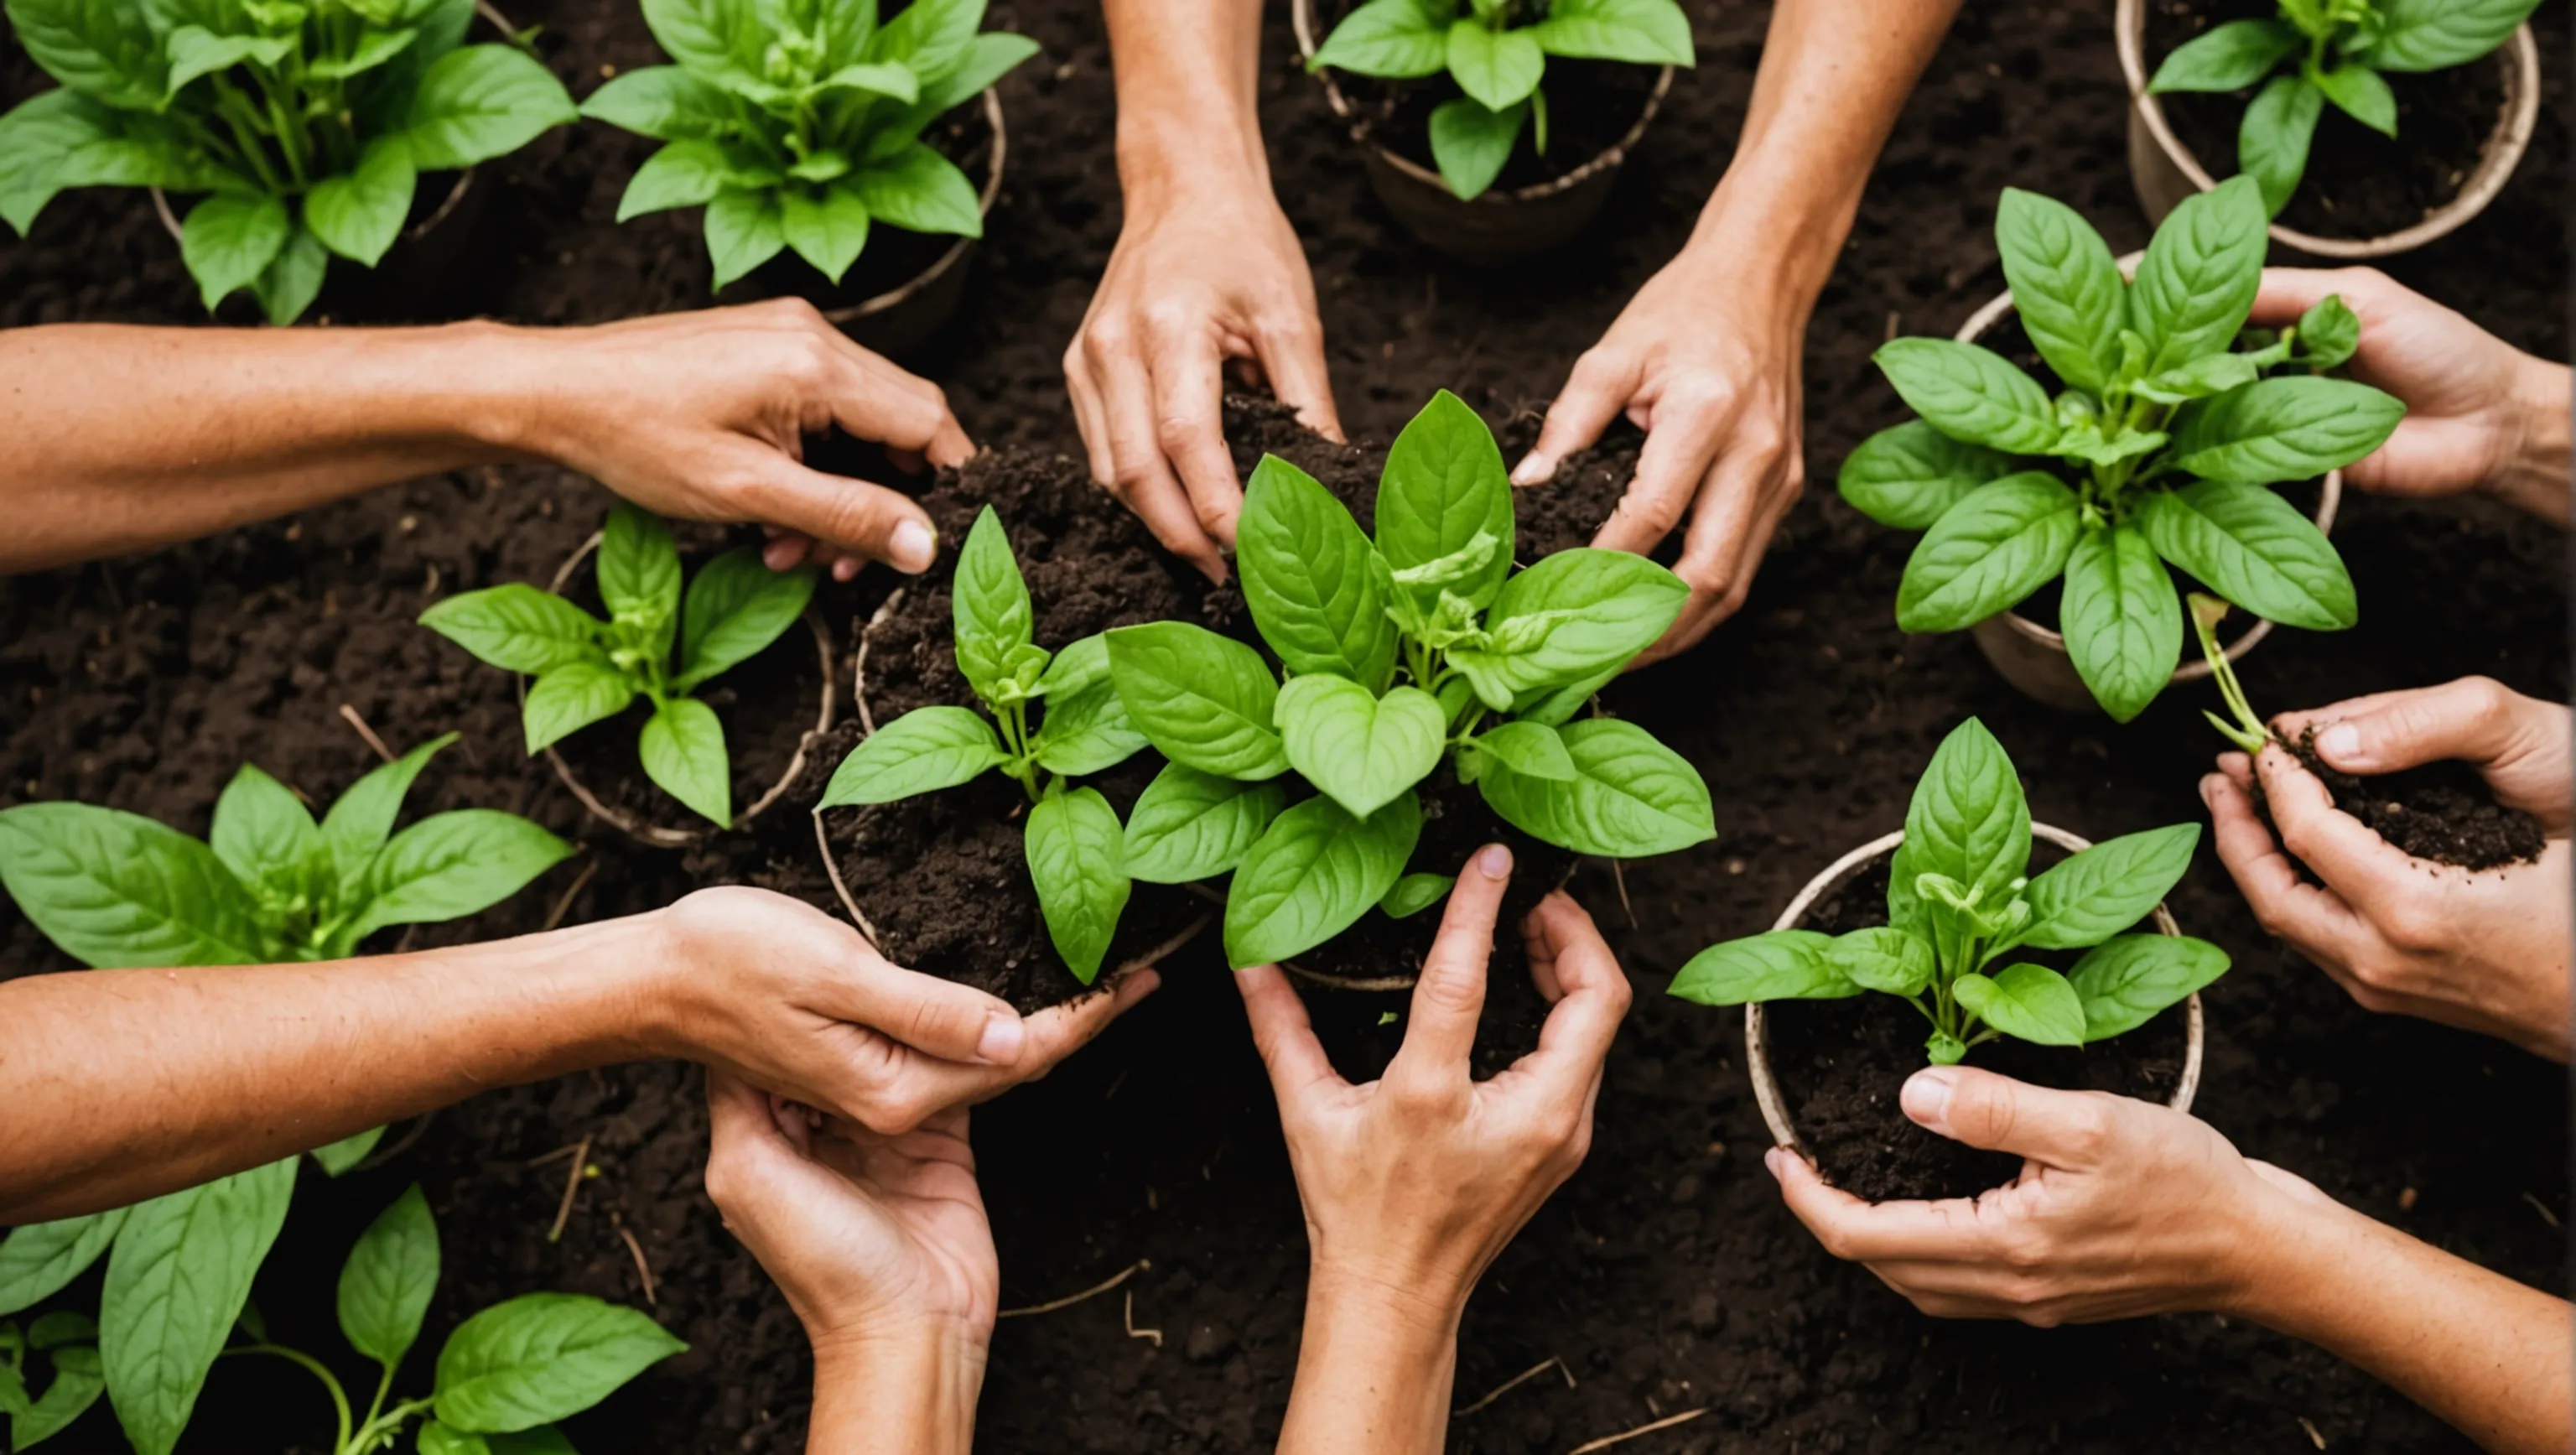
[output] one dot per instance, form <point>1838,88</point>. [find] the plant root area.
<point>1665,1278</point>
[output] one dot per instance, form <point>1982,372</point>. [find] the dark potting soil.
<point>2443,812</point>
<point>1665,1273</point>
<point>1841,1063</point>
<point>894,255</point>
<point>2358,183</point>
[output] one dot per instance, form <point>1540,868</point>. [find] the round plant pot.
<point>2165,172</point>
<point>1757,1053</point>
<point>1499,226</point>
<point>2034,658</point>
<point>661,836</point>
<point>429,260</point>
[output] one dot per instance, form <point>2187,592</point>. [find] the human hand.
<point>1212,274</point>
<point>792,1000</point>
<point>703,416</point>
<point>2480,413</point>
<point>2487,951</point>
<point>2122,1209</point>
<point>1706,360</point>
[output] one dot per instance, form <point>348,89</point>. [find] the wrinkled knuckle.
<point>2092,1130</point>
<point>1176,433</point>
<point>2036,1310</point>
<point>1445,989</point>
<point>2026,1252</point>
<point>2414,926</point>
<point>1105,338</point>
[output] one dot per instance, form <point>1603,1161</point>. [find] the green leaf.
<point>1306,574</point>
<point>229,239</point>
<point>2122,620</point>
<point>337,1158</point>
<point>2434,35</point>
<point>733,610</point>
<point>1631,796</point>
<point>743,231</point>
<point>1359,749</point>
<point>1077,852</point>
<point>1444,483</point>
<point>683,748</point>
<point>989,57</point>
<point>517,628</point>
<point>262,831</point>
<point>1968,819</point>
<point>1415,893</point>
<point>720,41</point>
<point>363,818</point>
<point>375,48</point>
<point>1471,142</point>
<point>1781,965</point>
<point>2069,293</point>
<point>933,37</point>
<point>177,1279</point>
<point>1574,615</point>
<point>1910,475</point>
<point>62,1326</point>
<point>386,1284</point>
<point>195,51</point>
<point>2197,281</point>
<point>2275,430</point>
<point>99,48</point>
<point>686,173</point>
<point>438,1439</point>
<point>1312,874</point>
<point>919,189</point>
<point>1528,749</point>
<point>2091,896</point>
<point>542,1357</point>
<point>1495,67</point>
<point>2031,1002</point>
<point>293,278</point>
<point>481,102</point>
<point>1969,392</point>
<point>2273,137</point>
<point>1087,730</point>
<point>1987,553</point>
<point>450,865</point>
<point>2329,333</point>
<point>923,751</point>
<point>35,138</point>
<point>566,699</point>
<point>1884,958</point>
<point>1642,32</point>
<point>2209,374</point>
<point>2229,57</point>
<point>1394,39</point>
<point>639,567</point>
<point>880,78</point>
<point>989,603</point>
<point>359,213</point>
<point>664,102</point>
<point>827,226</point>
<point>78,1382</point>
<point>1200,698</point>
<point>1081,666</point>
<point>38,1260</point>
<point>1190,825</point>
<point>2361,93</point>
<point>2255,549</point>
<point>115,890</point>
<point>2124,982</point>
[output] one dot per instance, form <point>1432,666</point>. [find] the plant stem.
<point>330,1382</point>
<point>2247,731</point>
<point>383,1426</point>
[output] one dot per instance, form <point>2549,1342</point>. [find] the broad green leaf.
<point>2275,430</point>
<point>1571,617</point>
<point>1910,475</point>
<point>176,1280</point>
<point>566,699</point>
<point>37,1260</point>
<point>919,189</point>
<point>2124,982</point>
<point>827,226</point>
<point>78,1382</point>
<point>363,818</point>
<point>481,102</point>
<point>639,567</point>
<point>116,890</point>
<point>2228,57</point>
<point>880,78</point>
<point>989,603</point>
<point>2273,137</point>
<point>61,1326</point>
<point>1497,68</point>
<point>743,231</point>
<point>1884,958</point>
<point>1312,874</point>
<point>1394,39</point>
<point>1444,482</point>
<point>35,138</point>
<point>1359,749</point>
<point>989,57</point>
<point>2069,293</point>
<point>1471,142</point>
<point>453,864</point>
<point>720,41</point>
<point>1200,698</point>
<point>1306,574</point>
<point>1781,965</point>
<point>1415,893</point>
<point>1082,665</point>
<point>1190,825</point>
<point>542,1357</point>
<point>2031,1002</point>
<point>375,48</point>
<point>1631,796</point>
<point>337,1158</point>
<point>1987,553</point>
<point>686,173</point>
<point>2255,549</point>
<point>2089,897</point>
<point>683,748</point>
<point>438,1439</point>
<point>2121,618</point>
<point>664,102</point>
<point>1968,819</point>
<point>518,628</point>
<point>2197,281</point>
<point>100,48</point>
<point>386,1283</point>
<point>2209,374</point>
<point>359,213</point>
<point>1087,730</point>
<point>2361,94</point>
<point>229,239</point>
<point>2329,333</point>
<point>1077,858</point>
<point>193,51</point>
<point>733,610</point>
<point>1971,393</point>
<point>933,37</point>
<point>262,831</point>
<point>2434,35</point>
<point>1528,749</point>
<point>923,751</point>
<point>1642,32</point>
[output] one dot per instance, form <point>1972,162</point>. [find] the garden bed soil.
<point>1666,1274</point>
<point>894,255</point>
<point>2442,812</point>
<point>1841,1063</point>
<point>2359,184</point>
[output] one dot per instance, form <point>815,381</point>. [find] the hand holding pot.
<point>2488,951</point>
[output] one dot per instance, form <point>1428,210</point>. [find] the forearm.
<point>124,1084</point>
<point>1187,116</point>
<point>896,1395</point>
<point>1374,1371</point>
<point>2536,478</point>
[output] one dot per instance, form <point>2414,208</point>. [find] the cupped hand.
<point>1414,1182</point>
<point>794,1001</point>
<point>2122,1209</point>
<point>703,416</point>
<point>1207,278</point>
<point>1707,363</point>
<point>2488,950</point>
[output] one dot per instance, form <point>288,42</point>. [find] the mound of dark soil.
<point>2443,812</point>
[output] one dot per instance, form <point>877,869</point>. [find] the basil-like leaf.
<point>1571,617</point>
<point>229,239</point>
<point>1910,475</point>
<point>2435,35</point>
<point>1884,958</point>
<point>78,1382</point>
<point>450,865</point>
<point>176,1280</point>
<point>1415,893</point>
<point>2124,982</point>
<point>2290,428</point>
<point>1496,68</point>
<point>2360,93</point>
<point>1082,665</point>
<point>2329,333</point>
<point>1968,819</point>
<point>517,628</point>
<point>2091,896</point>
<point>1987,553</point>
<point>363,818</point>
<point>2069,293</point>
<point>1969,392</point>
<point>115,890</point>
<point>542,1357</point>
<point>2122,620</point>
<point>37,1260</point>
<point>1526,748</point>
<point>639,567</point>
<point>1189,825</point>
<point>1087,731</point>
<point>1389,38</point>
<point>1640,32</point>
<point>1358,749</point>
<point>664,102</point>
<point>2227,57</point>
<point>338,1158</point>
<point>1781,965</point>
<point>1312,874</point>
<point>2028,1001</point>
<point>1444,483</point>
<point>263,832</point>
<point>1471,143</point>
<point>571,697</point>
<point>2273,137</point>
<point>1306,575</point>
<point>2197,282</point>
<point>1076,855</point>
<point>2255,549</point>
<point>481,102</point>
<point>360,212</point>
<point>683,749</point>
<point>1200,698</point>
<point>1630,797</point>
<point>386,1283</point>
<point>734,609</point>
<point>990,603</point>
<point>923,751</point>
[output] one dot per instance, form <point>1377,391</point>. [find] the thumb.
<point>854,515</point>
<point>2472,719</point>
<point>2286,293</point>
<point>1999,1114</point>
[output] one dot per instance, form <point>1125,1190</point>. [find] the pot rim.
<point>955,256</point>
<point>655,835</point>
<point>2329,505</point>
<point>1302,17</point>
<point>2496,162</point>
<point>1757,1051</point>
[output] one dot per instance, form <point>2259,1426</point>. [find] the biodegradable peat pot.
<point>1501,226</point>
<point>2164,171</point>
<point>2033,657</point>
<point>1757,1049</point>
<point>642,827</point>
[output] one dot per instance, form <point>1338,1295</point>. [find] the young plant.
<point>1959,905</point>
<point>2329,50</point>
<point>306,123</point>
<point>656,645</point>
<point>797,124</point>
<point>69,1343</point>
<point>2160,448</point>
<point>1421,647</point>
<point>2247,731</point>
<point>1073,840</point>
<point>1496,51</point>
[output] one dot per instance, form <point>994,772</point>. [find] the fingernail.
<point>845,569</point>
<point>913,547</point>
<point>2208,793</point>
<point>1771,1162</point>
<point>1534,469</point>
<point>1139,984</point>
<point>779,555</point>
<point>1494,861</point>
<point>2341,744</point>
<point>1000,1045</point>
<point>1927,1096</point>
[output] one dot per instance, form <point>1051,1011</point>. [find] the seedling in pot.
<point>1496,51</point>
<point>1419,647</point>
<point>2162,447</point>
<point>1959,904</point>
<point>798,124</point>
<point>2321,51</point>
<point>657,644</point>
<point>1073,840</point>
<point>306,123</point>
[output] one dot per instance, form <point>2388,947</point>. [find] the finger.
<point>1858,1231</point>
<point>1189,426</point>
<point>854,515</point>
<point>1730,532</point>
<point>1060,1030</point>
<point>2287,293</point>
<point>786,550</point>
<point>2315,921</point>
<point>2474,719</point>
<point>1575,1040</point>
<point>2353,861</point>
<point>1539,948</point>
<point>1292,355</point>
<point>939,1018</point>
<point>1138,472</point>
<point>1595,392</point>
<point>1282,1033</point>
<point>1449,995</point>
<point>1091,417</point>
<point>873,399</point>
<point>1680,451</point>
<point>2069,1129</point>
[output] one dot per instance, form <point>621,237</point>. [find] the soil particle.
<point>2442,812</point>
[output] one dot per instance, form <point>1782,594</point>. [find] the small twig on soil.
<point>1619,876</point>
<point>2315,1436</point>
<point>351,715</point>
<point>1666,1423</point>
<point>1515,1382</point>
<point>1141,1265</point>
<point>643,1269</point>
<point>383,1155</point>
<point>563,906</point>
<point>1134,1332</point>
<point>2541,1208</point>
<point>566,1150</point>
<point>572,1184</point>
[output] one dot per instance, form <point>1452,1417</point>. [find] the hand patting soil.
<point>2442,812</point>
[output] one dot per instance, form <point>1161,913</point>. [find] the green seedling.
<point>2247,731</point>
<point>67,1344</point>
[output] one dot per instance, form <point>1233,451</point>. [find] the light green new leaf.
<point>683,748</point>
<point>375,48</point>
<point>177,1279</point>
<point>1641,32</point>
<point>2089,897</point>
<point>571,697</point>
<point>1307,578</point>
<point>229,239</point>
<point>2228,57</point>
<point>639,568</point>
<point>1631,796</point>
<point>193,51</point>
<point>386,1284</point>
<point>1781,965</point>
<point>2255,549</point>
<point>743,231</point>
<point>2121,618</point>
<point>1087,730</point>
<point>734,608</point>
<point>1530,749</point>
<point>517,628</point>
<point>1077,858</point>
<point>1359,749</point>
<point>919,189</point>
<point>827,226</point>
<point>1202,699</point>
<point>1910,475</point>
<point>1393,39</point>
<point>2273,137</point>
<point>1312,874</point>
<point>1884,958</point>
<point>1190,825</point>
<point>262,831</point>
<point>1444,483</point>
<point>923,751</point>
<point>1415,893</point>
<point>359,213</point>
<point>989,605</point>
<point>1988,552</point>
<point>37,1260</point>
<point>1497,68</point>
<point>481,102</point>
<point>542,1357</point>
<point>115,890</point>
<point>1968,819</point>
<point>1573,616</point>
<point>2031,1002</point>
<point>1471,142</point>
<point>2124,982</point>
<point>1969,392</point>
<point>363,818</point>
<point>450,865</point>
<point>2361,94</point>
<point>2329,333</point>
